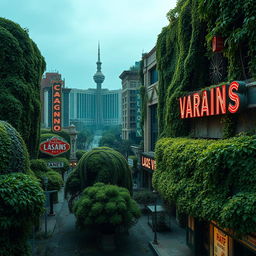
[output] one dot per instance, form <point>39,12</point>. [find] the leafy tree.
<point>84,139</point>
<point>99,165</point>
<point>112,139</point>
<point>107,208</point>
<point>21,69</point>
<point>21,197</point>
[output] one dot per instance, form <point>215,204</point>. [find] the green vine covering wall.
<point>184,53</point>
<point>21,69</point>
<point>209,179</point>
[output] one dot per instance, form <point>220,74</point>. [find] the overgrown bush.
<point>41,171</point>
<point>212,180</point>
<point>107,208</point>
<point>21,69</point>
<point>21,203</point>
<point>99,165</point>
<point>13,152</point>
<point>79,154</point>
<point>60,170</point>
<point>144,197</point>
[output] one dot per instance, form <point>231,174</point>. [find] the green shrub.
<point>14,155</point>
<point>212,180</point>
<point>64,134</point>
<point>41,171</point>
<point>79,154</point>
<point>21,203</point>
<point>100,165</point>
<point>144,197</point>
<point>107,208</point>
<point>60,170</point>
<point>39,165</point>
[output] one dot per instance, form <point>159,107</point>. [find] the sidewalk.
<point>171,243</point>
<point>52,220</point>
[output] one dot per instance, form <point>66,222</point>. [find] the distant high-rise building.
<point>95,108</point>
<point>130,93</point>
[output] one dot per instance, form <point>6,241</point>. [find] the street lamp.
<point>45,180</point>
<point>155,233</point>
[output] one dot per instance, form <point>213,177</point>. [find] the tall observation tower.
<point>98,79</point>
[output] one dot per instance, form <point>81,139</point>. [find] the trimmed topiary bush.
<point>79,154</point>
<point>100,165</point>
<point>13,152</point>
<point>107,208</point>
<point>21,203</point>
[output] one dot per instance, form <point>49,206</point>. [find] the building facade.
<point>130,93</point>
<point>83,107</point>
<point>147,157</point>
<point>151,87</point>
<point>94,108</point>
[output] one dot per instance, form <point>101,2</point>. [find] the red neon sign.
<point>214,101</point>
<point>54,146</point>
<point>56,106</point>
<point>148,163</point>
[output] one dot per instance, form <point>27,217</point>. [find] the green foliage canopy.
<point>21,203</point>
<point>41,171</point>
<point>210,180</point>
<point>99,165</point>
<point>13,152</point>
<point>21,69</point>
<point>107,208</point>
<point>184,53</point>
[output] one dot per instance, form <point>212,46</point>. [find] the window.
<point>153,75</point>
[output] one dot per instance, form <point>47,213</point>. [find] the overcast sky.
<point>67,34</point>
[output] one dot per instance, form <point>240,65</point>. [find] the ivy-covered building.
<point>149,92</point>
<point>130,91</point>
<point>206,165</point>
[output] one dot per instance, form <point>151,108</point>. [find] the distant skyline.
<point>67,33</point>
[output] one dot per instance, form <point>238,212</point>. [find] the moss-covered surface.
<point>100,165</point>
<point>21,69</point>
<point>209,179</point>
<point>184,53</point>
<point>13,152</point>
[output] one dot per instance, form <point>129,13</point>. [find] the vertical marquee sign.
<point>56,106</point>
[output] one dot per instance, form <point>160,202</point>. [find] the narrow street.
<point>69,241</point>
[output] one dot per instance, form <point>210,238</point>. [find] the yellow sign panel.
<point>220,243</point>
